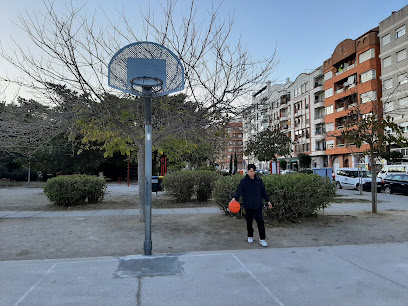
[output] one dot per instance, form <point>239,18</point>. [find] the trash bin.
<point>156,183</point>
<point>325,172</point>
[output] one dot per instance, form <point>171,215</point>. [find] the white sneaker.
<point>250,239</point>
<point>263,243</point>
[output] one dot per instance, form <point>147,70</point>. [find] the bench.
<point>6,182</point>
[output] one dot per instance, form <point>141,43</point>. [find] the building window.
<point>304,87</point>
<point>368,96</point>
<point>328,75</point>
<point>403,103</point>
<point>328,92</point>
<point>387,61</point>
<point>329,110</point>
<point>389,106</point>
<point>401,55</point>
<point>367,76</point>
<point>329,127</point>
<point>402,79</point>
<point>366,55</point>
<point>386,39</point>
<point>387,84</point>
<point>330,144</point>
<point>400,32</point>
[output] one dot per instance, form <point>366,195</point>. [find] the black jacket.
<point>252,191</point>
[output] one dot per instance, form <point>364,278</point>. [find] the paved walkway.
<point>341,275</point>
<point>374,274</point>
<point>106,212</point>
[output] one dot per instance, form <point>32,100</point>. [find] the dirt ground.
<point>73,237</point>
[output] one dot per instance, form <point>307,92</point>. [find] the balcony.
<point>320,136</point>
<point>284,127</point>
<point>340,109</point>
<point>340,127</point>
<point>346,65</point>
<point>339,72</point>
<point>403,151</point>
<point>318,87</point>
<point>319,103</point>
<point>345,83</point>
<point>339,91</point>
<point>284,117</point>
<point>319,119</point>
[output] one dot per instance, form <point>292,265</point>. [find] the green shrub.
<point>224,189</point>
<point>71,190</point>
<point>208,168</point>
<point>297,196</point>
<point>204,181</point>
<point>180,185</point>
<point>306,171</point>
<point>293,196</point>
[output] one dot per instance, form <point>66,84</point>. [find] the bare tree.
<point>74,49</point>
<point>365,127</point>
<point>27,125</point>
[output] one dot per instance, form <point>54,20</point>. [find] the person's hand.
<point>233,199</point>
<point>269,205</point>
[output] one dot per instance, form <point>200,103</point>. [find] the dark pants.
<point>257,213</point>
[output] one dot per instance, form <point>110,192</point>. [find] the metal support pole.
<point>147,91</point>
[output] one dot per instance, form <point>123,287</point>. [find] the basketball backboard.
<point>146,64</point>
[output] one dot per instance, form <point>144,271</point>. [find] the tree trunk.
<point>373,183</point>
<point>141,181</point>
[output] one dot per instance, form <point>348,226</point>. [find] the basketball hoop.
<point>139,83</point>
<point>146,64</point>
<point>145,69</point>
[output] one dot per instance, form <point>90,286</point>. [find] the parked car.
<point>288,171</point>
<point>263,171</point>
<point>392,169</point>
<point>354,178</point>
<point>395,183</point>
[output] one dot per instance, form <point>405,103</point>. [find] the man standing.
<point>253,192</point>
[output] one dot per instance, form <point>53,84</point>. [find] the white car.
<point>354,178</point>
<point>392,169</point>
<point>288,171</point>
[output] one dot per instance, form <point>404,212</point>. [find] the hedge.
<point>68,190</point>
<point>182,185</point>
<point>292,196</point>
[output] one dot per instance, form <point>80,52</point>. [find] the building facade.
<point>233,143</point>
<point>394,65</point>
<point>351,83</point>
<point>365,75</point>
<point>263,113</point>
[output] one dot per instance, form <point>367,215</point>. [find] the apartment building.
<point>297,109</point>
<point>318,127</point>
<point>307,117</point>
<point>263,113</point>
<point>394,65</point>
<point>233,143</point>
<point>351,82</point>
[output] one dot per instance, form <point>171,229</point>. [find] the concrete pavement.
<point>106,212</point>
<point>340,275</point>
<point>375,274</point>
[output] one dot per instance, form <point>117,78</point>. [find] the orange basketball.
<point>234,207</point>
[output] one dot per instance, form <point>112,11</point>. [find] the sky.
<point>304,33</point>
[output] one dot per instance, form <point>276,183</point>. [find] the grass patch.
<point>352,200</point>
